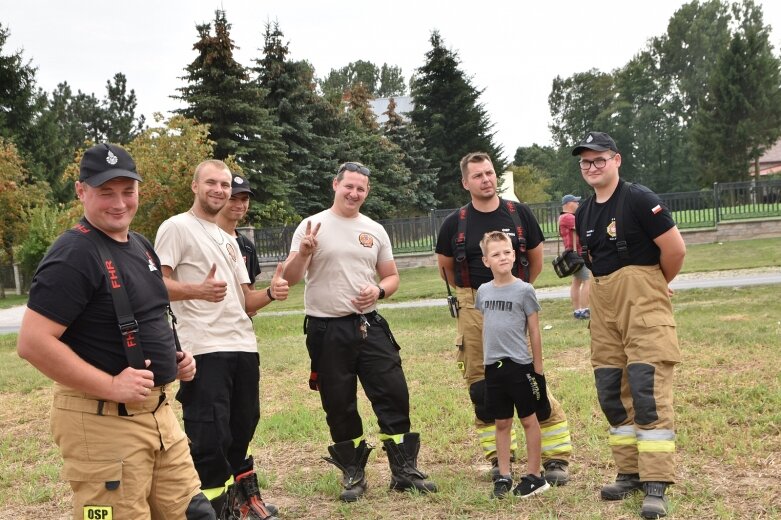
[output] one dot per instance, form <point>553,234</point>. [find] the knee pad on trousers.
<point>608,381</point>
<point>641,384</point>
<point>477,395</point>
<point>200,509</point>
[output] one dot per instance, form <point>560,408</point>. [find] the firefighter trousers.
<point>634,349</point>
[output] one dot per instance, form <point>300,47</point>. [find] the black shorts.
<point>509,384</point>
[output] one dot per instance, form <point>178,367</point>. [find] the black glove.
<point>543,404</point>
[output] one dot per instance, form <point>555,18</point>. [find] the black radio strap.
<point>128,326</point>
<point>621,244</point>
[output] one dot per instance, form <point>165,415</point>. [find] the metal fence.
<point>692,209</point>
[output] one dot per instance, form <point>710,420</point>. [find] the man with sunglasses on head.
<point>634,249</point>
<point>348,263</point>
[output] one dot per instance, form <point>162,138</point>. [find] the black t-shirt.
<point>478,224</point>
<point>645,218</point>
<point>250,256</point>
<point>70,288</point>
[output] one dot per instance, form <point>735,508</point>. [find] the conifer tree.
<point>219,93</point>
<point>451,120</point>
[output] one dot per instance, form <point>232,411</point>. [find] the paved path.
<point>10,319</point>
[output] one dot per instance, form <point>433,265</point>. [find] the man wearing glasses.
<point>342,253</point>
<point>634,250</point>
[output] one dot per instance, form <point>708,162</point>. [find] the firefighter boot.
<point>244,501</point>
<point>624,486</point>
<point>654,503</point>
<point>403,461</point>
<point>351,460</point>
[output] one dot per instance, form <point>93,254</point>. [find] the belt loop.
<point>101,402</point>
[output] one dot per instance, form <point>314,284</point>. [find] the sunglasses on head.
<point>354,167</point>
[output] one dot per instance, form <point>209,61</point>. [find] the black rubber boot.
<point>351,460</point>
<point>654,503</point>
<point>403,461</point>
<point>624,486</point>
<point>556,471</point>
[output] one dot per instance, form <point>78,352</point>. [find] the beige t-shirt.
<point>346,258</point>
<point>190,246</point>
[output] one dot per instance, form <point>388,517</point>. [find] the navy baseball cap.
<point>104,162</point>
<point>597,141</point>
<point>569,198</point>
<point>240,185</point>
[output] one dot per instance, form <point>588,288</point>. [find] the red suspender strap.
<point>460,257</point>
<point>523,259</point>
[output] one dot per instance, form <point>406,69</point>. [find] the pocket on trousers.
<point>94,482</point>
<point>657,319</point>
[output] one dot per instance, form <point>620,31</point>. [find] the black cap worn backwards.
<point>597,141</point>
<point>104,162</point>
<point>240,185</point>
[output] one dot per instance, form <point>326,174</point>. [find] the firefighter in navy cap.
<point>123,451</point>
<point>634,250</point>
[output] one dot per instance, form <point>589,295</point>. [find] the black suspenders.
<point>128,325</point>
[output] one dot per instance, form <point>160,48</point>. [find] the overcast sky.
<point>511,49</point>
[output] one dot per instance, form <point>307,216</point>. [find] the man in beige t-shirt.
<point>208,286</point>
<point>342,253</point>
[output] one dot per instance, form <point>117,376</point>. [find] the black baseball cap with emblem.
<point>597,141</point>
<point>104,162</point>
<point>240,185</point>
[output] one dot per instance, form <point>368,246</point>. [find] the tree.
<point>450,119</point>
<point>119,108</point>
<point>18,95</point>
<point>741,116</point>
<point>415,157</point>
<point>17,198</point>
<point>308,124</point>
<point>530,184</point>
<point>220,93</point>
<point>385,81</point>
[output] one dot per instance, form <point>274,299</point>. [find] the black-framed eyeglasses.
<point>354,167</point>
<point>597,163</point>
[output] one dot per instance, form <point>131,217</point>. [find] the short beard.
<point>208,209</point>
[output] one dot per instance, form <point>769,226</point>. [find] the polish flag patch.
<point>656,209</point>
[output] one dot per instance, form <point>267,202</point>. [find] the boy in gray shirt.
<point>513,375</point>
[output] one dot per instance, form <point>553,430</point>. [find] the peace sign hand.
<point>309,242</point>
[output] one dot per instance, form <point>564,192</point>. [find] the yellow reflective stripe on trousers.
<point>212,493</point>
<point>623,436</point>
<point>655,441</point>
<point>556,439</point>
<point>397,438</point>
<point>487,435</point>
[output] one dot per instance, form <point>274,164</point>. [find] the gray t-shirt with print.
<point>504,311</point>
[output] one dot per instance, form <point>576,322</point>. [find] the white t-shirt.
<point>190,246</point>
<point>346,258</point>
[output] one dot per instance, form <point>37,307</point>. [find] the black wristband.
<point>268,293</point>
<point>382,292</point>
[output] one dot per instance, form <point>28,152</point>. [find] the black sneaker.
<point>556,472</point>
<point>530,485</point>
<point>502,486</point>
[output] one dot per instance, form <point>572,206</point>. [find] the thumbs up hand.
<point>213,290</point>
<point>279,287</point>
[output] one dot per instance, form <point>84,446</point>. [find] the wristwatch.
<point>382,292</point>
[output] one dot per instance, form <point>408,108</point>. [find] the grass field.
<point>728,405</point>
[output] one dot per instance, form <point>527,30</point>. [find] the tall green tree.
<point>19,96</point>
<point>220,93</point>
<point>451,120</point>
<point>309,125</point>
<point>741,116</point>
<point>406,136</point>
